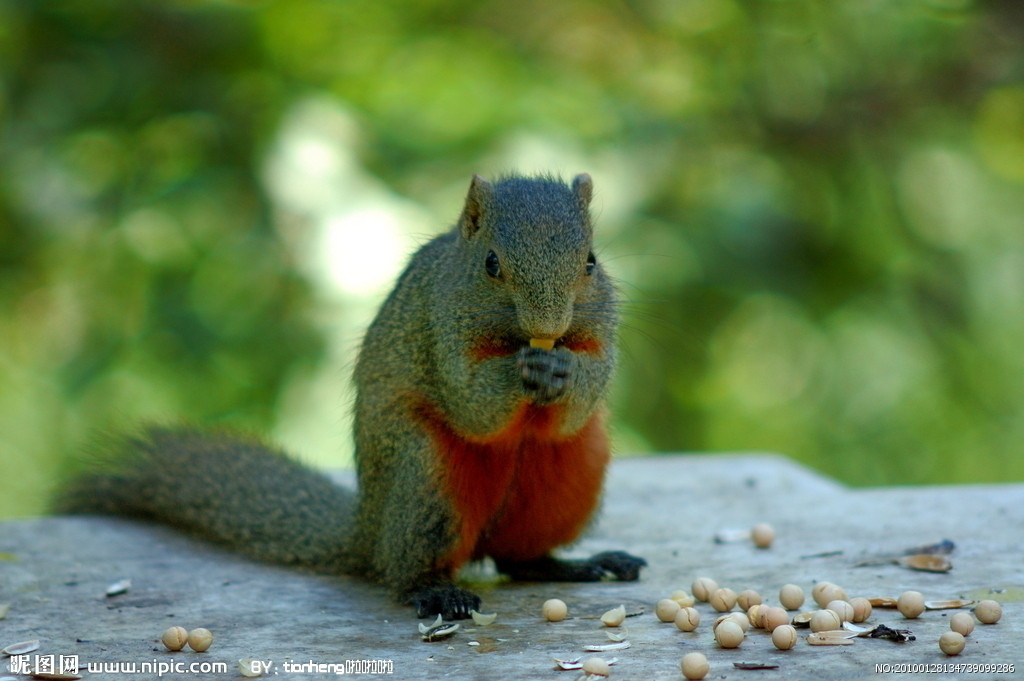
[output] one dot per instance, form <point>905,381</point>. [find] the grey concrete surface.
<point>54,573</point>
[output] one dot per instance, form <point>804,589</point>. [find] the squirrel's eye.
<point>492,265</point>
<point>591,263</point>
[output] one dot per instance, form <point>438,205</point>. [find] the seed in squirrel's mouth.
<point>543,343</point>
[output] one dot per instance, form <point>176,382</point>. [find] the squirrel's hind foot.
<point>447,600</point>
<point>623,566</point>
<point>617,565</point>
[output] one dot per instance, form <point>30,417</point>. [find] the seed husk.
<point>425,628</point>
<point>605,647</point>
<point>617,635</point>
<point>927,562</point>
<point>482,620</point>
<point>857,629</point>
<point>246,669</point>
<point>614,617</point>
<point>803,619</point>
<point>731,535</point>
<point>831,637</point>
<point>754,665</point>
<point>21,648</point>
<point>440,632</point>
<point>945,605</point>
<point>119,587</point>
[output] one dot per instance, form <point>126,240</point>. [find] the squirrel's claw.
<point>449,601</point>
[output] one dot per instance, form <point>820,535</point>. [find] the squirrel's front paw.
<point>447,600</point>
<point>545,373</point>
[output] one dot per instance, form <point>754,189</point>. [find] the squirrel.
<point>479,422</point>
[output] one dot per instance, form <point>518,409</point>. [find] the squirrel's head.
<point>530,240</point>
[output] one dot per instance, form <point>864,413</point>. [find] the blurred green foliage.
<point>815,209</point>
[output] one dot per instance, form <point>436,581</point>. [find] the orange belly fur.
<point>524,491</point>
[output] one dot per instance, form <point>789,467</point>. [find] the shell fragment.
<point>21,648</point>
<point>424,628</point>
<point>482,620</point>
<point>605,647</point>
<point>943,605</point>
<point>802,619</point>
<point>575,663</point>
<point>614,617</point>
<point>730,535</point>
<point>928,562</point>
<point>119,587</point>
<point>247,669</point>
<point>859,630</point>
<point>836,637</point>
<point>438,631</point>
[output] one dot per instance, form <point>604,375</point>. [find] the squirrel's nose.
<point>545,317</point>
<point>551,331</point>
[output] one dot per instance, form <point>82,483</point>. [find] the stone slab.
<point>54,573</point>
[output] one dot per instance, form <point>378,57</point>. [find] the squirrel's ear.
<point>480,191</point>
<point>583,188</point>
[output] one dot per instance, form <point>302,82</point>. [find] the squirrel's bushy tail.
<point>226,488</point>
